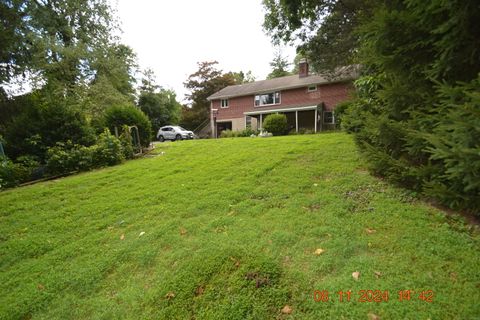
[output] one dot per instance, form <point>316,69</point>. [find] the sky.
<point>170,37</point>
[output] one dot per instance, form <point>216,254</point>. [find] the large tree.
<point>203,83</point>
<point>279,66</point>
<point>53,41</point>
<point>160,105</point>
<point>416,113</point>
<point>325,29</point>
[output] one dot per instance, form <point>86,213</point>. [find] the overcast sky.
<point>170,37</point>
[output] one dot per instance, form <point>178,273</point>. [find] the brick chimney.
<point>303,68</point>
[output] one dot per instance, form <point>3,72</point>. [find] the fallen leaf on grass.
<point>378,274</point>
<point>170,295</point>
<point>372,316</point>
<point>356,275</point>
<point>122,237</point>
<point>315,184</point>
<point>287,309</point>
<point>319,251</point>
<point>370,231</point>
<point>183,231</point>
<point>199,291</point>
<point>453,276</point>
<point>40,287</point>
<point>141,233</point>
<point>237,263</point>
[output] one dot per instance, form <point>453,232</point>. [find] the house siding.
<point>330,95</point>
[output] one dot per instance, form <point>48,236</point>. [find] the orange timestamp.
<point>372,296</point>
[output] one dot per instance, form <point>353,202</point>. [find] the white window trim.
<point>333,118</point>
<point>312,85</point>
<point>271,104</point>
<point>221,103</point>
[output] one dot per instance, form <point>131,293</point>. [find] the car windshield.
<point>180,128</point>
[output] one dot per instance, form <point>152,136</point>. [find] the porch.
<point>312,118</point>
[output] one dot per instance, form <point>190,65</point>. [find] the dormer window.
<point>312,88</point>
<point>224,103</point>
<point>267,99</point>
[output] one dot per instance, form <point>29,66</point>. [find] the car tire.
<point>178,137</point>
<point>161,138</point>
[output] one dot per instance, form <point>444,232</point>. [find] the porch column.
<point>261,122</point>
<point>316,118</point>
<point>296,121</point>
<point>246,122</point>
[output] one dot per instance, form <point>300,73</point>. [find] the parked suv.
<point>173,133</point>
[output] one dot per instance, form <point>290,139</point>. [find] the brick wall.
<point>330,94</point>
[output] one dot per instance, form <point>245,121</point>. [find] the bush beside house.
<point>276,124</point>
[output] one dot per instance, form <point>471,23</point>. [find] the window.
<point>312,88</point>
<point>267,99</point>
<point>224,103</point>
<point>328,117</point>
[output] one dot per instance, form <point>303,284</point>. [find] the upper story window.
<point>267,99</point>
<point>312,88</point>
<point>224,103</point>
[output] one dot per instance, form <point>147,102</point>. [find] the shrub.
<point>69,157</point>
<point>108,151</point>
<point>126,141</point>
<point>41,125</point>
<point>247,132</point>
<point>234,134</point>
<point>12,174</point>
<point>340,111</point>
<point>228,134</point>
<point>455,146</point>
<point>276,124</point>
<point>119,116</point>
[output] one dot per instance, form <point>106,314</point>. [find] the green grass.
<point>230,231</point>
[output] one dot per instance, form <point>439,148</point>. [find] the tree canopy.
<point>279,66</point>
<point>203,83</point>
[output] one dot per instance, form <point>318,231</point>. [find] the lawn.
<point>234,229</point>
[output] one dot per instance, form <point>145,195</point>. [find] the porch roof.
<point>303,108</point>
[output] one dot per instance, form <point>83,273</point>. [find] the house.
<point>308,101</point>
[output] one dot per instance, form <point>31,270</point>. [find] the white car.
<point>173,133</point>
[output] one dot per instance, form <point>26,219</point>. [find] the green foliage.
<point>69,157</point>
<point>203,83</point>
<point>228,134</point>
<point>456,145</point>
<point>413,130</point>
<point>42,124</point>
<point>118,116</point>
<point>325,29</point>
<point>340,110</point>
<point>279,66</point>
<point>276,124</point>
<point>12,174</point>
<point>234,134</point>
<point>162,108</point>
<point>108,150</point>
<point>127,143</point>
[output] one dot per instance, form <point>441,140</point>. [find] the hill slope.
<point>230,229</point>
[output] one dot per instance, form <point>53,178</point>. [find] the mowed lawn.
<point>231,229</point>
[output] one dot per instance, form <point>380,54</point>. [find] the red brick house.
<point>308,101</point>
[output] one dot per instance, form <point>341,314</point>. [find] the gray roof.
<point>282,83</point>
